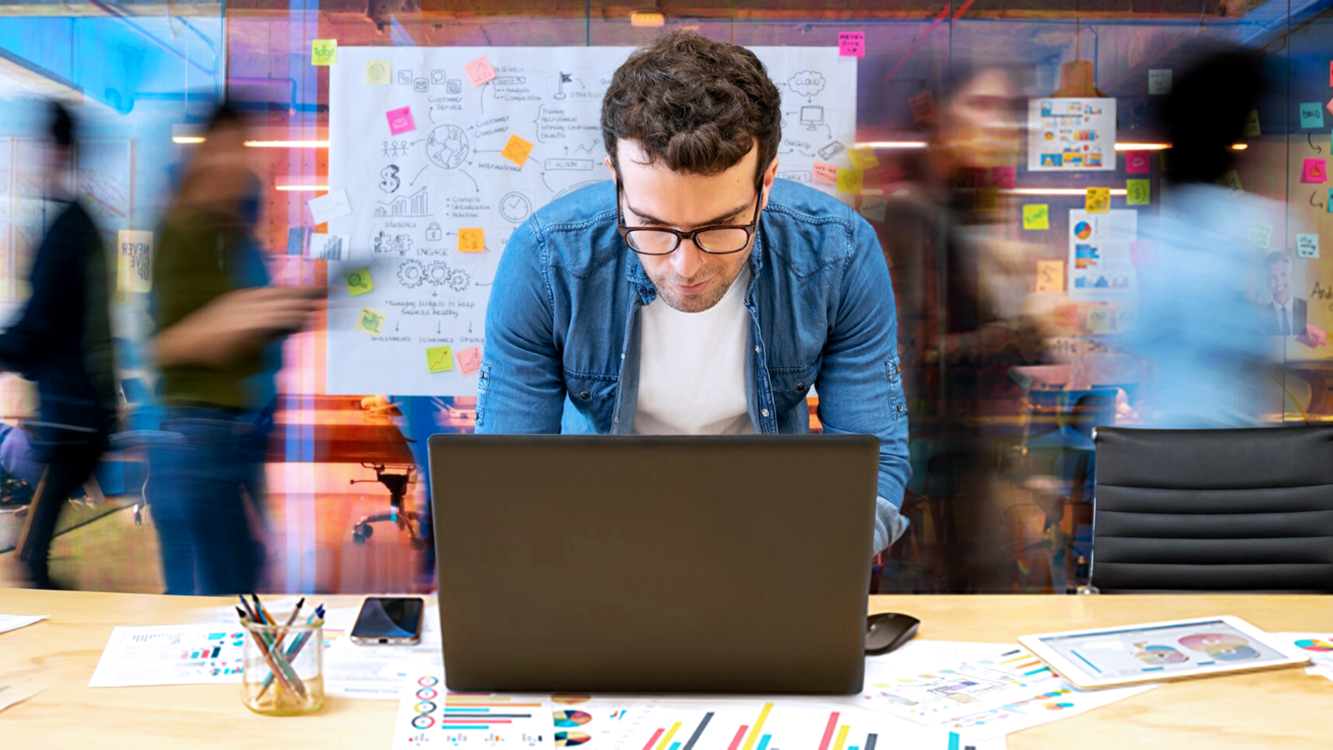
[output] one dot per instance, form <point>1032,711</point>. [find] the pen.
<point>295,649</point>
<point>266,640</point>
<point>272,663</point>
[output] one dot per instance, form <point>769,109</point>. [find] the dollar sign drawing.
<point>390,182</point>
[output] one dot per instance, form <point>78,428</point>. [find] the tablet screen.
<point>1112,654</point>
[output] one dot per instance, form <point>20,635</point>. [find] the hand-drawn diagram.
<point>413,194</point>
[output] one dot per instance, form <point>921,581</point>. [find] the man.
<point>695,293</point>
<point>62,340</point>
<point>1286,313</point>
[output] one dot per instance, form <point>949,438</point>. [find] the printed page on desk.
<point>443,152</point>
<point>207,654</point>
<point>1317,646</point>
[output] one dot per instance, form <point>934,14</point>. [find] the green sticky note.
<point>1036,216</point>
<point>324,52</point>
<point>1138,192</point>
<point>439,359</point>
<point>359,282</point>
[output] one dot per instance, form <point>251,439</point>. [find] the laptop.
<point>654,564</point>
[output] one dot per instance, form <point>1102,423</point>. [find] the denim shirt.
<point>562,329</point>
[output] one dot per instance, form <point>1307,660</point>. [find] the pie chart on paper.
<point>1312,645</point>
<point>1082,230</point>
<point>571,739</point>
<point>564,719</point>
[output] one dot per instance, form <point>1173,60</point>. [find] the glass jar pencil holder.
<point>283,672</point>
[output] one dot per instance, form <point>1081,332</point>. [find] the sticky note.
<point>469,360</point>
<point>1036,216</point>
<point>1097,200</point>
<point>359,282</point>
<point>1140,253</point>
<point>370,321</point>
<point>986,199</point>
<point>1138,162</point>
<point>1002,177</point>
<point>923,106</point>
<point>379,72</point>
<point>439,359</point>
<point>1050,275</point>
<point>1137,192</point>
<point>134,260</point>
<point>1251,124</point>
<point>326,208</point>
<point>1261,234</point>
<point>479,71</point>
<point>852,43</point>
<point>863,158</point>
<point>1314,171</point>
<point>1329,106</point>
<point>826,173</point>
<point>1330,72</point>
<point>1232,180</point>
<point>1312,115</point>
<point>1159,81</point>
<point>1328,205</point>
<point>850,180</point>
<point>1307,246</point>
<point>471,240</point>
<point>872,208</point>
<point>516,150</point>
<point>323,52</point>
<point>400,120</point>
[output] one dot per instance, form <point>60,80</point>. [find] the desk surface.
<point>1286,709</point>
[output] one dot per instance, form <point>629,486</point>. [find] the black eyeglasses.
<point>715,239</point>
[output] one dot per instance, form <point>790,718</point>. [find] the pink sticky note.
<point>826,173</point>
<point>1314,171</point>
<point>400,120</point>
<point>1138,162</point>
<point>469,360</point>
<point>1313,337</point>
<point>1140,253</point>
<point>852,43</point>
<point>479,71</point>
<point>1002,177</point>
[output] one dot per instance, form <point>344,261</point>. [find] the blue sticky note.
<point>1329,205</point>
<point>1312,115</point>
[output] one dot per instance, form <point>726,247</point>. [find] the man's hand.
<point>236,324</point>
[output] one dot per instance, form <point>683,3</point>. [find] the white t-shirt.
<point>692,367</point>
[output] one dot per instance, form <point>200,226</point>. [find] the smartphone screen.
<point>389,617</point>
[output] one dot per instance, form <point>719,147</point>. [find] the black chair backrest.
<point>1214,510</point>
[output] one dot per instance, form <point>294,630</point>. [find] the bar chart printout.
<point>429,715</point>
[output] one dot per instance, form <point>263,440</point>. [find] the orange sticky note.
<point>1050,275</point>
<point>850,181</point>
<point>517,150</point>
<point>479,71</point>
<point>471,240</point>
<point>826,173</point>
<point>469,360</point>
<point>1098,200</point>
<point>439,359</point>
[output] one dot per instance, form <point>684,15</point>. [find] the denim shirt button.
<point>585,395</point>
<point>764,412</point>
<point>756,350</point>
<point>800,386</point>
<point>900,408</point>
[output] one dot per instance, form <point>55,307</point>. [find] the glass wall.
<point>1021,317</point>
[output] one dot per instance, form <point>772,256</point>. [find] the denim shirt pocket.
<point>594,396</point>
<point>897,402</point>
<point>791,385</point>
<point>483,385</point>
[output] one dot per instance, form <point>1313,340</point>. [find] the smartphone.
<point>389,620</point>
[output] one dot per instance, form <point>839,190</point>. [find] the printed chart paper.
<point>1101,267</point>
<point>1318,646</point>
<point>14,622</point>
<point>208,654</point>
<point>1071,135</point>
<point>430,716</point>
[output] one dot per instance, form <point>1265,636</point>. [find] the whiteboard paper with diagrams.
<point>444,151</point>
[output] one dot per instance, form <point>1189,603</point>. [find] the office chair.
<point>1213,510</point>
<point>396,479</point>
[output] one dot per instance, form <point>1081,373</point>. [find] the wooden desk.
<point>1285,709</point>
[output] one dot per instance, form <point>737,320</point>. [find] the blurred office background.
<point>1005,375</point>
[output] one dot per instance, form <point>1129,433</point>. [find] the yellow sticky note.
<point>323,52</point>
<point>439,359</point>
<point>379,72</point>
<point>359,282</point>
<point>1050,275</point>
<point>986,199</point>
<point>1036,216</point>
<point>370,321</point>
<point>1098,200</point>
<point>517,150</point>
<point>849,180</point>
<point>472,240</point>
<point>863,158</point>
<point>1137,192</point>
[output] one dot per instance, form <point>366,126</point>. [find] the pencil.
<point>268,657</point>
<point>295,649</point>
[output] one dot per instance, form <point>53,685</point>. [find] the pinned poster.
<point>370,321</point>
<point>1159,81</point>
<point>923,106</point>
<point>1071,135</point>
<point>1312,115</point>
<point>1137,192</point>
<point>1050,275</point>
<point>872,208</point>
<point>1251,124</point>
<point>1100,263</point>
<point>379,72</point>
<point>1036,216</point>
<point>1261,234</point>
<point>1097,200</point>
<point>359,282</point>
<point>134,261</point>
<point>469,360</point>
<point>850,181</point>
<point>400,120</point>
<point>328,207</point>
<point>472,240</point>
<point>863,158</point>
<point>1307,246</point>
<point>852,44</point>
<point>479,71</point>
<point>516,150</point>
<point>1138,162</point>
<point>825,173</point>
<point>1314,171</point>
<point>439,359</point>
<point>323,52</point>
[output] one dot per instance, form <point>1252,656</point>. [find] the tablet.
<point>1105,657</point>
